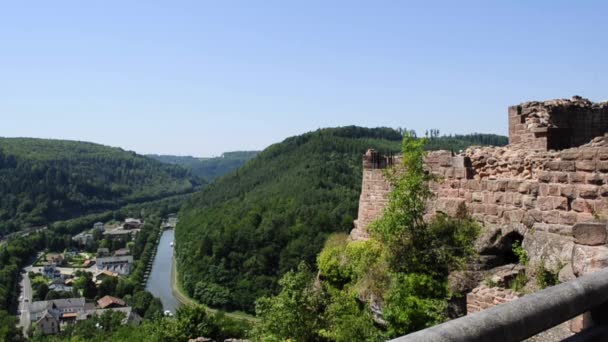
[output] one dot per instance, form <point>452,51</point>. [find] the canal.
<point>159,283</point>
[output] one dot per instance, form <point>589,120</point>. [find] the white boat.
<point>171,243</point>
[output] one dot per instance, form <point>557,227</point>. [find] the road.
<point>24,300</point>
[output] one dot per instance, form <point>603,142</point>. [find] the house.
<point>118,264</point>
<point>102,252</point>
<point>84,238</point>
<point>131,223</point>
<point>53,315</point>
<point>99,226</point>
<point>55,258</point>
<point>48,324</point>
<point>107,302</point>
<point>122,252</point>
<point>50,315</point>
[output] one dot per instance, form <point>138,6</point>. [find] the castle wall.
<point>556,124</point>
<point>375,191</point>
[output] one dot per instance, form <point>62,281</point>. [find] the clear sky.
<point>203,77</point>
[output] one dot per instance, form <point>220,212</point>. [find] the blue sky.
<point>203,77</point>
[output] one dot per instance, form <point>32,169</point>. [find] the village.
<point>85,280</point>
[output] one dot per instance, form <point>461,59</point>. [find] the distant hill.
<point>209,168</point>
<point>43,180</point>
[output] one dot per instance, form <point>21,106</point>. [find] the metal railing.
<point>529,315</point>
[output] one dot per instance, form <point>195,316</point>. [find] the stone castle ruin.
<point>547,189</point>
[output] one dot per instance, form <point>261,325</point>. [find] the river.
<point>159,283</point>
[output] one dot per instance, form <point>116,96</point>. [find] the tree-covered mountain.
<point>239,235</point>
<point>209,168</point>
<point>43,180</point>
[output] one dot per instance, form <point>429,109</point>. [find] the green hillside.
<point>239,235</point>
<point>44,180</point>
<point>209,168</point>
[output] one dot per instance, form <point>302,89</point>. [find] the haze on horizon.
<point>201,78</point>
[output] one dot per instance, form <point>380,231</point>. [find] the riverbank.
<point>184,299</point>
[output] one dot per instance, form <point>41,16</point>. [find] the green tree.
<point>295,313</point>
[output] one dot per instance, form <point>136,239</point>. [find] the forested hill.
<point>43,180</point>
<point>209,168</point>
<point>240,234</point>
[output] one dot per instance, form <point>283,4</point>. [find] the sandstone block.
<point>544,176</point>
<point>560,177</point>
<point>477,197</point>
<point>568,218</point>
<point>602,166</point>
<point>580,205</point>
<point>585,165</point>
<point>568,191</point>
<point>570,154</point>
<point>576,177</point>
<point>567,166</point>
<point>595,179</point>
<point>587,154</point>
<point>590,234</point>
<point>554,249</point>
<point>584,217</point>
<point>551,216</point>
<point>588,191</point>
<point>566,273</point>
<point>588,259</point>
<point>543,189</point>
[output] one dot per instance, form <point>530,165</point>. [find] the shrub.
<point>519,282</point>
<point>545,277</point>
<point>521,253</point>
<point>333,262</point>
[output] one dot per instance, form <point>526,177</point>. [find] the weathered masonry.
<point>551,179</point>
<point>557,124</point>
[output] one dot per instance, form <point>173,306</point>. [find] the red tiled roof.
<point>109,300</point>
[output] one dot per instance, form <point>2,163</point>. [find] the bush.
<point>521,253</point>
<point>415,302</point>
<point>545,277</point>
<point>333,263</point>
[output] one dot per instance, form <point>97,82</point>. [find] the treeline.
<point>209,168</point>
<point>460,142</point>
<point>238,236</point>
<point>47,180</point>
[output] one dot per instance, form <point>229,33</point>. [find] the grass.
<point>184,299</point>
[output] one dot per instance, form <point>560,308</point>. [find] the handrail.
<point>524,317</point>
